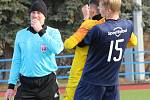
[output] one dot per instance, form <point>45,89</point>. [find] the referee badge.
<point>43,48</point>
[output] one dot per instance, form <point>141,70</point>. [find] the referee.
<point>33,62</point>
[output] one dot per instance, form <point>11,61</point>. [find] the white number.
<point>110,51</point>
<point>117,49</point>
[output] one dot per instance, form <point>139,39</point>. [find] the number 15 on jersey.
<point>119,50</point>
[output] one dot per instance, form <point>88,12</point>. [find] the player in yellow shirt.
<point>80,53</point>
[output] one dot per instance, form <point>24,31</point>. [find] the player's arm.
<point>132,41</point>
<point>79,35</point>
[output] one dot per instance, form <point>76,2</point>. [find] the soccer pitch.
<point>127,95</point>
<point>135,94</point>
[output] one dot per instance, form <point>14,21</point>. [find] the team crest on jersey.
<point>43,48</point>
<point>117,31</point>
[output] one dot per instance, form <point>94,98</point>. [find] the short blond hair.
<point>114,5</point>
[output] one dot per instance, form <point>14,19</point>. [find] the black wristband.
<point>41,32</point>
<point>11,86</point>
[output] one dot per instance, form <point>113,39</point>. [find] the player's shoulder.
<point>22,31</point>
<point>52,30</point>
<point>100,26</point>
<point>126,21</point>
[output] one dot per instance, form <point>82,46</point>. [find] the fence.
<point>71,56</point>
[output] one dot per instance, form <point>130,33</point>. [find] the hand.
<point>36,25</point>
<point>86,11</point>
<point>9,93</point>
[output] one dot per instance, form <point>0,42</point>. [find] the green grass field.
<point>135,95</point>
<point>128,95</point>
